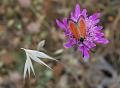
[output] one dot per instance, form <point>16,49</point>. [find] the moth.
<point>79,30</point>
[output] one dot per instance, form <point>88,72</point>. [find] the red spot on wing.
<point>82,26</point>
<point>73,28</point>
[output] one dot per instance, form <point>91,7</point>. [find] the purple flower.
<point>82,30</point>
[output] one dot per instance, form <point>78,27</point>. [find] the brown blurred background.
<point>24,23</point>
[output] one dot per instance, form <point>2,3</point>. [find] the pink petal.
<point>84,51</point>
<point>77,11</point>
<point>99,34</point>
<point>72,17</point>
<point>65,21</point>
<point>70,43</point>
<point>89,44</point>
<point>84,13</point>
<point>95,16</point>
<point>102,41</point>
<point>67,45</point>
<point>98,28</point>
<point>96,21</point>
<point>60,24</point>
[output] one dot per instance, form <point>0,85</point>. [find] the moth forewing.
<point>82,26</point>
<point>74,29</point>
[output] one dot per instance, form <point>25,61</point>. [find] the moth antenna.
<point>69,19</point>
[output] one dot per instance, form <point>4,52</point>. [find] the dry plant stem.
<point>116,20</point>
<point>108,9</point>
<point>69,70</point>
<point>113,32</point>
<point>27,83</point>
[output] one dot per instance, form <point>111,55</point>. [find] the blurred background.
<point>24,23</point>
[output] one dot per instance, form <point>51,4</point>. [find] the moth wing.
<point>82,26</point>
<point>74,29</point>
